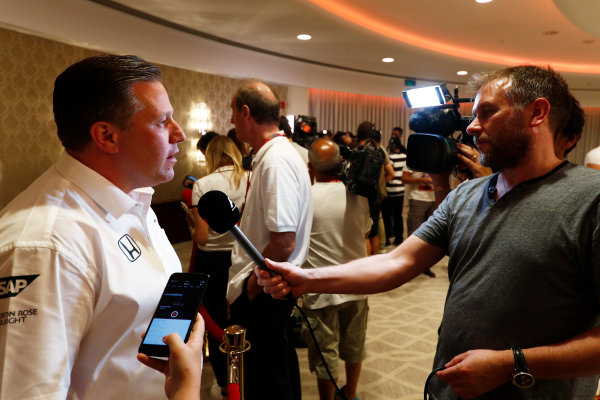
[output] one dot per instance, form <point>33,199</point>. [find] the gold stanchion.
<point>234,345</point>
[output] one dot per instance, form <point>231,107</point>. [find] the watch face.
<point>523,380</point>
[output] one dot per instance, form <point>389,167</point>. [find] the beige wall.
<point>28,142</point>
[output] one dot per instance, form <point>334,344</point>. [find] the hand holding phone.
<point>183,369</point>
<point>176,312</point>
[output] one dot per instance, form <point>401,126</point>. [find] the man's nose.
<point>474,127</point>
<point>177,134</point>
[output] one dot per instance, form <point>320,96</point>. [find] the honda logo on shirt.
<point>129,248</point>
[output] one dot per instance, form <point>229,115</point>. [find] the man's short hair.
<point>97,89</point>
<point>365,130</point>
<point>263,109</point>
<point>397,128</point>
<point>529,82</point>
<point>329,165</point>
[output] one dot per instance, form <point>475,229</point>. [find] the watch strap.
<point>520,364</point>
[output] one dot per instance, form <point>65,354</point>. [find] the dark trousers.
<point>392,218</point>
<point>216,264</point>
<point>271,365</point>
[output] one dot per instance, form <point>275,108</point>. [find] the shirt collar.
<point>261,152</point>
<point>112,199</point>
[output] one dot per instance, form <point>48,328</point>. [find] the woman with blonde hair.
<point>213,256</point>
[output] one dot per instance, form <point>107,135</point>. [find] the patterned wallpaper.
<point>28,141</point>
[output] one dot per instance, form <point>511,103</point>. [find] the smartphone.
<point>176,312</point>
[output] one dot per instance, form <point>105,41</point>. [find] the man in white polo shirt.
<point>83,260</point>
<point>277,219</point>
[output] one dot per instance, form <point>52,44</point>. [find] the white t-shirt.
<point>421,192</point>
<point>340,222</point>
<point>279,200</point>
<point>220,179</point>
<point>592,157</point>
<point>303,151</point>
<point>95,262</point>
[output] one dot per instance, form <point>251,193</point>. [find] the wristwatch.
<point>521,378</point>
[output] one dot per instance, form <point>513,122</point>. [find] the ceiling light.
<point>461,72</point>
<point>483,1</point>
<point>304,36</point>
<point>387,59</point>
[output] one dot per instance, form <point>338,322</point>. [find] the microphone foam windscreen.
<point>219,212</point>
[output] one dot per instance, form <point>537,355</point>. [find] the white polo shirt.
<point>82,267</point>
<point>279,200</point>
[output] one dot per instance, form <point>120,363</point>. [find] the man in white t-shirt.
<point>341,222</point>
<point>277,220</point>
<point>592,158</point>
<point>83,261</point>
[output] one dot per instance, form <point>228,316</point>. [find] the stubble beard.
<point>508,146</point>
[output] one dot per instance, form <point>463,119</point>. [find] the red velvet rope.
<point>214,330</point>
<point>233,391</point>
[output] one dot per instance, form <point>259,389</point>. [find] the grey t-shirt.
<point>524,270</point>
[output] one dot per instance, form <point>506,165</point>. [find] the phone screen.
<point>176,312</point>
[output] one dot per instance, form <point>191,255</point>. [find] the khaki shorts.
<point>340,330</point>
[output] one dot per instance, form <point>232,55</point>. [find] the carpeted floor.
<point>401,339</point>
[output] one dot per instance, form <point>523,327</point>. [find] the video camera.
<point>432,148</point>
<point>361,167</point>
<point>305,130</point>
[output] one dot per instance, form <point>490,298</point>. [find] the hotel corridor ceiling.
<point>428,39</point>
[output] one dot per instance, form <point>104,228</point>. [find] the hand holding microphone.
<point>222,215</point>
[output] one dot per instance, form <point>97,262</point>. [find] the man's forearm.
<point>280,248</point>
<point>575,357</point>
<point>476,372</point>
<point>379,273</point>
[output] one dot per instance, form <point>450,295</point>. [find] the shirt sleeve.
<point>281,203</point>
<point>435,230</point>
<point>197,192</point>
<point>46,307</point>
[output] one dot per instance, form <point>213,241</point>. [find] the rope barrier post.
<point>234,345</point>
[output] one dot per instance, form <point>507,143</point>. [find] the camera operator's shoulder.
<point>579,172</point>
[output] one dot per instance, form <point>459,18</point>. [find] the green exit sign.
<point>410,82</point>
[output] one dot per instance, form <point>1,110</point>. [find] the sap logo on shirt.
<point>130,248</point>
<point>13,285</point>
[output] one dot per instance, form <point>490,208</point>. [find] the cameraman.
<point>523,265</point>
<point>366,133</point>
<point>565,140</point>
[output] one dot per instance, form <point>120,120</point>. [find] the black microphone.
<point>222,215</point>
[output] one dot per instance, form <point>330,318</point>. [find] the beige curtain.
<point>339,111</point>
<point>590,137</point>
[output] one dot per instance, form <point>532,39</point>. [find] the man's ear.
<point>540,108</point>
<point>106,136</point>
<point>246,111</point>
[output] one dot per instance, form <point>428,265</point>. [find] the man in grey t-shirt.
<point>520,320</point>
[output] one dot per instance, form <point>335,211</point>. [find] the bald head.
<point>324,157</point>
<point>261,100</point>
